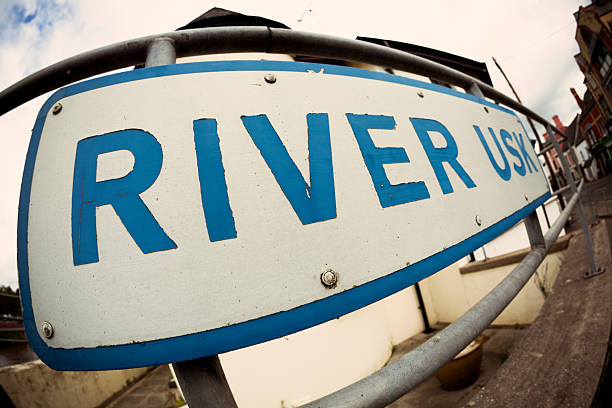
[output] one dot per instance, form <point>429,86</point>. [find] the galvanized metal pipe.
<point>391,382</point>
<point>219,40</point>
<point>555,230</point>
<point>562,190</point>
<point>161,52</point>
<point>474,89</point>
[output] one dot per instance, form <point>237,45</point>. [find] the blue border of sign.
<point>254,331</point>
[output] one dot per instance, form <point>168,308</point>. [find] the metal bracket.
<point>203,383</point>
<point>590,274</point>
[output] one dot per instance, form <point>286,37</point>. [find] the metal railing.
<point>202,379</point>
<point>11,325</point>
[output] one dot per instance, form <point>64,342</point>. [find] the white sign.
<point>174,212</point>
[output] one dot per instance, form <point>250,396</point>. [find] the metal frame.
<point>202,380</point>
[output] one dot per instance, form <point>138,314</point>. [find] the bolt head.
<point>329,278</point>
<point>478,220</point>
<point>270,78</point>
<point>47,329</point>
<point>57,108</point>
<point>421,94</point>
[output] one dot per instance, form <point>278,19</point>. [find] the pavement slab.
<point>151,391</point>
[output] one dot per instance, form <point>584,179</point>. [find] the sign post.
<point>203,382</point>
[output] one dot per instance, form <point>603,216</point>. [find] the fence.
<point>202,380</point>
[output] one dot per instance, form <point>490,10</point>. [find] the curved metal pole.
<point>219,40</point>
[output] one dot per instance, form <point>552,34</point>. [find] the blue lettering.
<point>313,203</point>
<point>122,193</point>
<point>374,158</point>
<point>521,144</point>
<point>505,138</point>
<point>438,155</point>
<point>504,173</point>
<point>213,188</point>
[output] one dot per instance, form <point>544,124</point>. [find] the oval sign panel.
<point>174,212</point>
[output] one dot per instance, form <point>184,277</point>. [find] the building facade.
<point>594,38</point>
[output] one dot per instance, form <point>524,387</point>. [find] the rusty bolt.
<point>47,329</point>
<point>329,278</point>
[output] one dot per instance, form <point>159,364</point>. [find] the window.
<point>591,136</point>
<point>605,107</point>
<point>592,82</point>
<point>605,62</point>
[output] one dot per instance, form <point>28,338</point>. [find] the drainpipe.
<point>428,328</point>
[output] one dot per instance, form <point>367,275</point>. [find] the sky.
<point>532,40</point>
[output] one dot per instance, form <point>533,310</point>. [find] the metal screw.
<point>57,108</point>
<point>478,220</point>
<point>526,198</point>
<point>486,109</point>
<point>270,78</point>
<point>420,93</point>
<point>47,329</point>
<point>329,278</point>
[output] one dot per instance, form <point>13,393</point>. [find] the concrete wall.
<point>455,293</point>
<point>34,384</point>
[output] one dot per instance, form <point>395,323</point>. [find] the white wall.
<point>583,154</point>
<point>298,368</point>
<point>455,293</point>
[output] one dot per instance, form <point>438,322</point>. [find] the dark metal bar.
<point>422,308</point>
<point>534,231</point>
<point>203,383</point>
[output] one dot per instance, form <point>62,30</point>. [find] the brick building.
<point>594,38</point>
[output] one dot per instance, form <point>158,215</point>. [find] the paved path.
<point>152,391</point>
